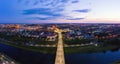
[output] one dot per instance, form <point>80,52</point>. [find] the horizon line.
<point>62,23</point>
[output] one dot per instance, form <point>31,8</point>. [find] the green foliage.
<point>77,41</point>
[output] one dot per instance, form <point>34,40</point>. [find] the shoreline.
<point>68,50</point>
<point>45,50</point>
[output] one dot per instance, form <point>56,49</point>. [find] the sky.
<point>59,11</point>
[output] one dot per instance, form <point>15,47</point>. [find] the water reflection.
<point>107,57</point>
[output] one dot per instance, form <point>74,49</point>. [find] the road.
<point>78,45</point>
<point>60,51</point>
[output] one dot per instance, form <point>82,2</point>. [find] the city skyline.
<point>59,11</point>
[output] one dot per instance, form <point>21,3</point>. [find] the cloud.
<point>39,18</point>
<point>52,8</point>
<point>35,3</point>
<point>76,19</point>
<point>43,11</point>
<point>75,1</point>
<point>64,1</point>
<point>83,10</point>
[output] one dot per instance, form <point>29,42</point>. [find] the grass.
<point>81,49</point>
<point>45,50</point>
<point>117,62</point>
<point>89,49</point>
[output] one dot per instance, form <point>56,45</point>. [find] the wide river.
<point>29,57</point>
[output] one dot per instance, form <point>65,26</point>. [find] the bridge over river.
<point>60,59</point>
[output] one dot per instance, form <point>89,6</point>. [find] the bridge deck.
<point>60,51</point>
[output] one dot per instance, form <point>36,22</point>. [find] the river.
<point>29,57</point>
<point>93,58</point>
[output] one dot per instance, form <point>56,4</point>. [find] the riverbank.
<point>44,50</point>
<point>90,49</point>
<point>68,50</point>
<point>117,62</point>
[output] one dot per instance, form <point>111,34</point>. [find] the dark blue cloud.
<point>75,1</point>
<point>47,18</point>
<point>44,2</point>
<point>76,19</point>
<point>64,1</point>
<point>50,8</point>
<point>35,3</point>
<point>41,11</point>
<point>83,10</point>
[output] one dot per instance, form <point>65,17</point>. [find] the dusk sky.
<point>59,11</point>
